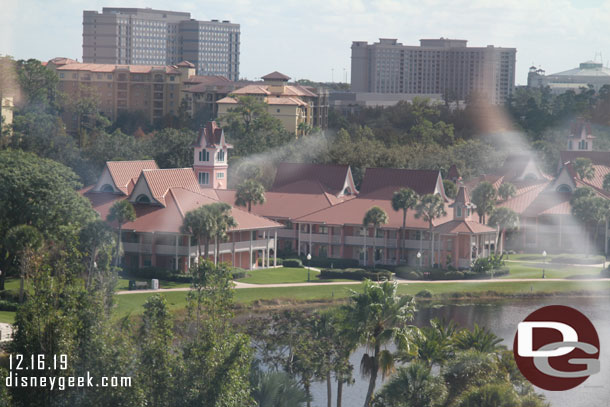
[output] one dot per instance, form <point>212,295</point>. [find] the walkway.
<point>6,332</point>
<point>239,285</point>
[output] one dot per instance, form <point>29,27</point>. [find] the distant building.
<point>438,66</point>
<point>588,73</point>
<point>153,90</point>
<point>292,104</point>
<point>6,110</point>
<point>352,102</point>
<point>580,138</point>
<point>136,36</point>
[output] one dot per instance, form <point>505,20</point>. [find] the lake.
<point>502,318</point>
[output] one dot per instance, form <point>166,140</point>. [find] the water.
<point>502,318</point>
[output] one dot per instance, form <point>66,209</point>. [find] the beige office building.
<point>438,66</point>
<point>136,36</point>
<point>152,90</point>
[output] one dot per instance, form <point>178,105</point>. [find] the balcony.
<point>287,233</point>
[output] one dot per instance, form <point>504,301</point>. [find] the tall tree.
<point>506,191</point>
<point>450,188</point>
<point>94,238</point>
<point>504,219</point>
<point>199,223</point>
<point>429,208</point>
<point>223,222</point>
<point>412,385</point>
<point>607,182</point>
<point>375,217</point>
<point>484,197</point>
<point>120,212</point>
<point>249,192</point>
<point>404,199</point>
<point>378,316</point>
<point>21,242</point>
<point>584,168</point>
<point>590,210</point>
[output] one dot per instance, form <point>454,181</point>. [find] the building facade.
<point>438,66</point>
<point>135,36</point>
<point>587,74</point>
<point>155,91</point>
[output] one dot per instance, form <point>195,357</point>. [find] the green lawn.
<point>552,270</point>
<point>591,259</point>
<point>7,317</point>
<point>132,303</point>
<point>282,275</point>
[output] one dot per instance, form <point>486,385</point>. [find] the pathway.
<point>6,332</point>
<point>240,285</point>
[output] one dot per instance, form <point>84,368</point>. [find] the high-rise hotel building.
<point>438,66</point>
<point>135,36</point>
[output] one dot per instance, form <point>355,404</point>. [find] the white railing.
<point>287,233</point>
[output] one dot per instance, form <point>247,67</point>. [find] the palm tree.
<point>506,191</point>
<point>275,389</point>
<point>21,242</point>
<point>200,224</point>
<point>413,385</point>
<point>94,237</point>
<point>378,316</point>
<point>479,339</point>
<point>404,199</point>
<point>249,192</point>
<point>376,217</point>
<point>504,219</point>
<point>484,197</point>
<point>584,168</point>
<point>223,221</point>
<point>122,212</point>
<point>430,207</point>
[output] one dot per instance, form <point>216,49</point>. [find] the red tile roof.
<point>252,90</point>
<point>275,75</point>
<point>160,181</point>
<point>455,227</point>
<point>213,136</point>
<point>186,64</point>
<point>109,68</point>
<point>331,177</point>
<point>383,182</point>
<point>126,173</point>
<point>285,101</point>
<point>596,157</point>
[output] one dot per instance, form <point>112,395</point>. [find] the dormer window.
<point>143,198</point>
<point>459,211</point>
<point>107,188</point>
<point>564,188</point>
<point>221,156</point>
<point>204,155</point>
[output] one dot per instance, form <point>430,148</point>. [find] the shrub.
<point>237,273</point>
<point>454,275</point>
<point>331,263</point>
<point>292,263</point>
<point>149,273</point>
<point>424,294</point>
<point>410,275</point>
<point>8,305</point>
<point>278,261</point>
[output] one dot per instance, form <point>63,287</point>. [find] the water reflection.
<point>502,318</point>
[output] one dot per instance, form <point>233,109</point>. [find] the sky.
<point>312,38</point>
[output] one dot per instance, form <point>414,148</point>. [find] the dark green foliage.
<point>484,197</point>
<point>292,263</point>
<point>330,263</point>
<point>486,264</point>
<point>276,389</point>
<point>356,274</point>
<point>450,188</point>
<point>424,294</point>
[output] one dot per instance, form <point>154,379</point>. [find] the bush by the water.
<point>424,294</point>
<point>356,274</point>
<point>409,273</point>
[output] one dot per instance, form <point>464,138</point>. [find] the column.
<point>342,247</point>
<point>264,239</point>
<point>177,238</point>
<point>298,239</point>
<point>310,248</point>
<point>153,252</point>
<point>275,248</point>
<point>250,262</point>
<point>233,248</point>
<point>139,250</point>
<point>189,252</point>
<point>330,241</point>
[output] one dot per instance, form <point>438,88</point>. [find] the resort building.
<point>590,73</point>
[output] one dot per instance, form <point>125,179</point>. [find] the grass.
<point>7,317</point>
<point>566,257</point>
<point>132,303</point>
<point>282,275</point>
<point>552,270</point>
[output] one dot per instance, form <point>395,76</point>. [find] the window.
<point>204,155</point>
<point>459,211</point>
<point>61,74</point>
<point>564,188</point>
<point>107,188</point>
<point>171,78</point>
<point>278,110</point>
<point>204,178</point>
<point>221,155</point>
<point>143,198</point>
<point>220,175</point>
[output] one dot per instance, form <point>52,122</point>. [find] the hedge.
<point>330,263</point>
<point>238,273</point>
<point>8,305</point>
<point>355,274</point>
<point>440,274</point>
<point>292,263</point>
<point>148,273</point>
<point>278,261</point>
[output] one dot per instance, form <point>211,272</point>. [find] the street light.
<point>308,268</point>
<point>544,262</point>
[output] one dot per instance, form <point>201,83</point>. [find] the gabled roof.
<point>275,75</point>
<point>228,100</point>
<point>186,64</point>
<point>462,198</point>
<point>383,182</point>
<point>285,101</point>
<point>211,135</point>
<point>159,182</point>
<point>110,68</point>
<point>252,90</point>
<point>124,173</point>
<point>581,128</point>
<point>453,172</point>
<point>331,177</point>
<point>455,227</point>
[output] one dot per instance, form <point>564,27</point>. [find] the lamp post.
<point>308,268</point>
<point>419,259</point>
<point>544,262</point>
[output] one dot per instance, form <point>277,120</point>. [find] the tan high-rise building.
<point>153,90</point>
<point>438,66</point>
<point>136,36</point>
